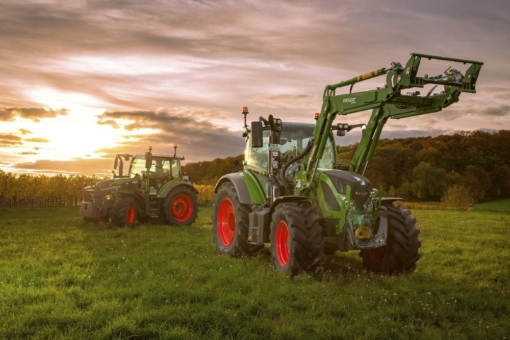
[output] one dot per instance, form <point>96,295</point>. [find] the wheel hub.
<point>282,243</point>
<point>226,221</point>
<point>182,208</point>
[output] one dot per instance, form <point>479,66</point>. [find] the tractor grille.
<point>360,185</point>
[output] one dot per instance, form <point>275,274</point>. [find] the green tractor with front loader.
<point>293,194</point>
<point>153,189</point>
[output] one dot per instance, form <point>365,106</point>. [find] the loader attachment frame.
<point>385,102</point>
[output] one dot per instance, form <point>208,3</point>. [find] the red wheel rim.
<point>282,243</point>
<point>182,208</point>
<point>130,214</point>
<point>378,254</point>
<point>226,221</point>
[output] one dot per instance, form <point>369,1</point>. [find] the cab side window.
<point>137,166</point>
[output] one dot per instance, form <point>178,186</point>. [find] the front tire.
<point>181,206</point>
<point>401,252</point>
<point>296,238</point>
<point>231,224</point>
<point>124,211</point>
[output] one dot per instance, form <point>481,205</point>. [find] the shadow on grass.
<point>346,266</point>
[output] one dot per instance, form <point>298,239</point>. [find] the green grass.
<point>499,205</point>
<point>61,278</point>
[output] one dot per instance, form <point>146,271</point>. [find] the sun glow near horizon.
<point>75,135</point>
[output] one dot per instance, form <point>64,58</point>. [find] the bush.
<point>205,193</point>
<point>457,197</point>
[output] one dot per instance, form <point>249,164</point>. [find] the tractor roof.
<point>157,155</point>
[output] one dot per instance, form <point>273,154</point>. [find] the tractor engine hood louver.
<point>360,185</point>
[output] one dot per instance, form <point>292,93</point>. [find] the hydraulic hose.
<point>293,160</point>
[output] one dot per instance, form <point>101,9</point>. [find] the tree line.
<point>476,164</point>
<point>209,172</point>
<point>471,166</point>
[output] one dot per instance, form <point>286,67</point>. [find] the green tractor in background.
<point>293,194</point>
<point>153,189</point>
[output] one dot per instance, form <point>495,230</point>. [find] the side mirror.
<point>148,160</point>
<point>256,134</point>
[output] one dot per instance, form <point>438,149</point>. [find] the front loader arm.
<point>386,102</point>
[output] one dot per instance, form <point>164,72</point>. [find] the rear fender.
<point>175,184</point>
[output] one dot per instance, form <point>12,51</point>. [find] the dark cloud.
<point>197,140</point>
<point>503,96</point>
<point>415,133</point>
<point>10,139</point>
<point>32,113</point>
<point>100,167</point>
<point>496,111</point>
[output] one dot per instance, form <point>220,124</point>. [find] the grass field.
<point>62,278</point>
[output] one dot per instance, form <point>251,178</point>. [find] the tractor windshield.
<point>137,166</point>
<point>294,139</point>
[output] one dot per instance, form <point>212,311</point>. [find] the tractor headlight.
<point>108,197</point>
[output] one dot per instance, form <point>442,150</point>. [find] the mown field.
<point>61,278</point>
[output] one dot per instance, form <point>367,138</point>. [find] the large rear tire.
<point>181,206</point>
<point>296,238</point>
<point>124,211</point>
<point>231,224</point>
<point>401,252</point>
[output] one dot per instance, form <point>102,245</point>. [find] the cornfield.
<point>23,190</point>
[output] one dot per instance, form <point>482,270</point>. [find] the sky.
<point>83,80</point>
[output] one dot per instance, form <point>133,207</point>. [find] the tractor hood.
<point>113,182</point>
<point>360,185</point>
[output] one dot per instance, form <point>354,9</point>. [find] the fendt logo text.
<point>350,100</point>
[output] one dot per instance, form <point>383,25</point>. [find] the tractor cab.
<point>118,165</point>
<point>295,138</point>
<point>162,168</point>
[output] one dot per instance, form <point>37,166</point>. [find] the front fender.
<point>283,199</point>
<point>247,187</point>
